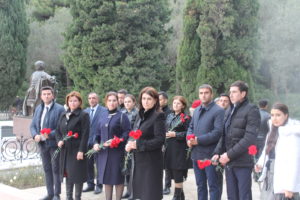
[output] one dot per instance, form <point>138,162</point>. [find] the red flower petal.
<point>75,135</point>
<point>252,150</point>
<point>70,133</point>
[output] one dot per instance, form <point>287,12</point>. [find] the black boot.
<point>78,190</point>
<point>177,194</point>
<point>69,190</point>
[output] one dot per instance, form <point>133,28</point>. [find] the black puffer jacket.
<point>241,132</point>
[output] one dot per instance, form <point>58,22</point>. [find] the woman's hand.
<point>257,168</point>
<point>96,147</point>
<point>80,155</point>
<point>60,144</point>
<point>130,145</point>
<point>107,143</point>
<point>288,194</point>
<point>170,134</point>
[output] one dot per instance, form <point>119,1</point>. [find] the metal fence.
<point>18,149</point>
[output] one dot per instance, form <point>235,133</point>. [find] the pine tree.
<point>13,43</point>
<point>189,55</point>
<point>112,45</point>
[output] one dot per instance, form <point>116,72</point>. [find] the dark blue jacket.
<point>94,123</point>
<point>207,125</point>
<point>54,113</point>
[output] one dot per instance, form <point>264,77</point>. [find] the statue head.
<point>39,65</point>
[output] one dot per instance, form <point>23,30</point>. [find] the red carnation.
<point>196,103</point>
<point>200,164</point>
<point>207,163</point>
<point>135,134</point>
<point>115,142</point>
<point>48,131</point>
<point>192,136</point>
<point>252,150</point>
<point>75,135</point>
<point>70,133</point>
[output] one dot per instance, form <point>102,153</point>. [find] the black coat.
<point>148,169</point>
<point>176,147</point>
<point>79,122</point>
<point>242,130</point>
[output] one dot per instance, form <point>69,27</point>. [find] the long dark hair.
<point>273,136</point>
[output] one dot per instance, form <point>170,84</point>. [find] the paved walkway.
<point>190,189</point>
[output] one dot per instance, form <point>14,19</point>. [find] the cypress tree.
<point>228,32</point>
<point>14,31</point>
<point>189,55</point>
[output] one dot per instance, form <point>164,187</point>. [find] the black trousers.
<point>51,170</point>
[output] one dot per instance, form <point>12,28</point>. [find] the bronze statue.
<point>38,79</point>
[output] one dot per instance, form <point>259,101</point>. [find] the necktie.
<point>91,114</point>
<point>46,118</point>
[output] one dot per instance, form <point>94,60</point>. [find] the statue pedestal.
<point>21,126</point>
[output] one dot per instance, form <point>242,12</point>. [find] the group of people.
<point>217,130</point>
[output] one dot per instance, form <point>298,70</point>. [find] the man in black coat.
<point>163,104</point>
<point>241,125</point>
<point>206,125</point>
<point>94,112</point>
<point>47,115</point>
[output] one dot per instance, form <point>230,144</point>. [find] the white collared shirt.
<point>44,113</point>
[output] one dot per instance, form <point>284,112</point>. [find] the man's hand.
<point>224,159</point>
<point>215,159</point>
<point>37,138</point>
<point>80,155</point>
<point>194,142</point>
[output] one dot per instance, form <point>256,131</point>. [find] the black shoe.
<point>166,191</point>
<point>88,189</point>
<point>126,195</point>
<point>98,190</point>
<point>47,198</point>
<point>56,197</point>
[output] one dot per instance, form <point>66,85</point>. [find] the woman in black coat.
<point>72,161</point>
<point>109,160</point>
<point>148,160</point>
<point>176,162</point>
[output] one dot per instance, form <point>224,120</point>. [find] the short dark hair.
<point>243,86</point>
<point>263,103</point>
<point>224,95</point>
<point>108,94</point>
<point>122,91</point>
<point>47,88</point>
<point>206,86</point>
<point>164,94</point>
